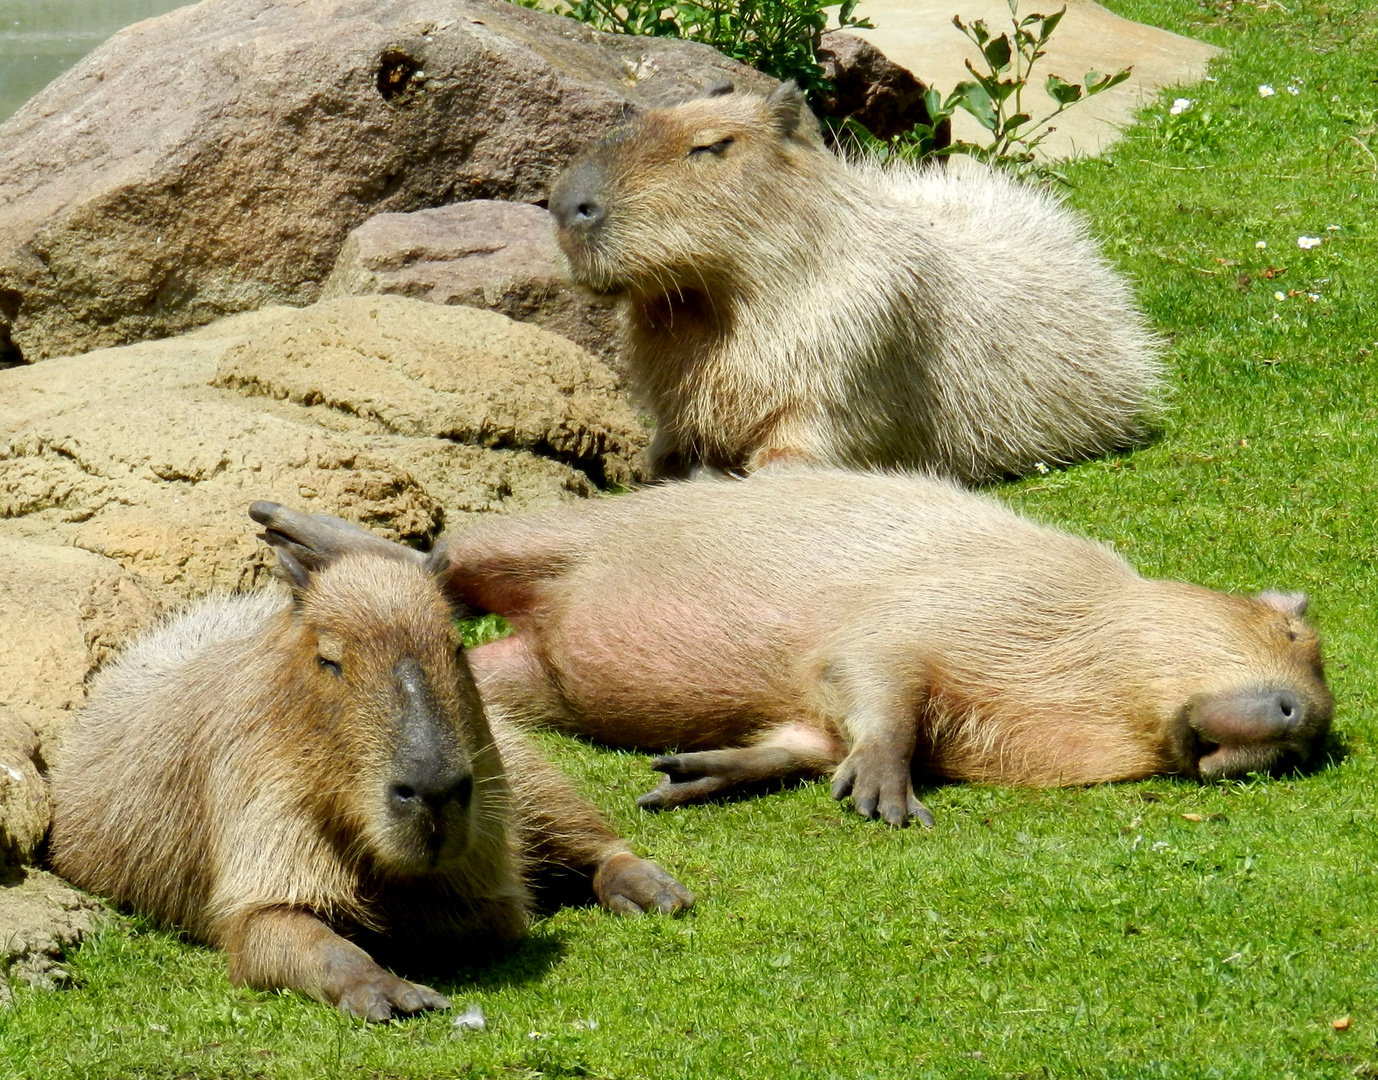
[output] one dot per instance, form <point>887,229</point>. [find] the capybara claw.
<point>628,885</point>
<point>383,997</point>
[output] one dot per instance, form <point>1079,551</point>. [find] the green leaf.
<point>998,53</point>
<point>1050,24</point>
<point>975,100</point>
<point>1061,91</point>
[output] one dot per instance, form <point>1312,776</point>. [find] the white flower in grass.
<point>1293,90</point>
<point>1276,316</point>
<point>1332,228</point>
<point>1265,91</point>
<point>1306,243</point>
<point>1261,244</point>
<point>1180,106</point>
<point>1279,296</point>
<point>1313,296</point>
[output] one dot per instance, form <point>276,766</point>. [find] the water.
<point>40,39</point>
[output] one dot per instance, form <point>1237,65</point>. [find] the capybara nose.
<point>575,202</point>
<point>1287,708</point>
<point>433,792</point>
<point>577,210</point>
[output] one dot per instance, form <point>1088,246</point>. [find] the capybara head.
<point>672,200</point>
<point>409,769</point>
<point>1252,695</point>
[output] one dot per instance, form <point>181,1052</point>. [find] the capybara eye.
<point>712,148</point>
<point>332,666</point>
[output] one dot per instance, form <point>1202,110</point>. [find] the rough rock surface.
<point>125,475</point>
<point>40,917</point>
<point>213,160</point>
<point>65,611</point>
<point>880,95</point>
<point>484,253</point>
<point>24,804</point>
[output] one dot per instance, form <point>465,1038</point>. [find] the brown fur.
<point>291,781</point>
<point>784,304</point>
<point>806,622</point>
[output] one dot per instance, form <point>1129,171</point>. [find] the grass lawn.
<point>1078,933</point>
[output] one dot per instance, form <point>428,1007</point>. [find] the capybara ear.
<point>786,104</point>
<point>1289,603</point>
<point>297,577</point>
<point>720,88</point>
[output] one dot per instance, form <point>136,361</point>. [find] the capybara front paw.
<point>383,996</point>
<point>629,885</point>
<point>881,788</point>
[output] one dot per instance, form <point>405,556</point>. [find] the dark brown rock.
<point>883,97</point>
<point>485,254</point>
<point>213,160</point>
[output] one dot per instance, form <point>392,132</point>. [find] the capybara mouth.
<point>1253,730</point>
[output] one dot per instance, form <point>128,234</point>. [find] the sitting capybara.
<point>296,780</point>
<point>782,303</point>
<point>804,621</point>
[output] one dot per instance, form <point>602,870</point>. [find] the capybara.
<point>806,621</point>
<point>783,303</point>
<point>306,782</point>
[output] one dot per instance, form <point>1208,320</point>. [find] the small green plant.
<point>779,37</point>
<point>995,97</point>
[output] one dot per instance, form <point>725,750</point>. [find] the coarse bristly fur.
<point>294,779</point>
<point>783,303</point>
<point>808,621</point>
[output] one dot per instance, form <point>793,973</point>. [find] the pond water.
<point>40,39</point>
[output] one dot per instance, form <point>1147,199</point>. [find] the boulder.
<point>40,918</point>
<point>213,160</point>
<point>485,254</point>
<point>65,610</point>
<point>24,803</point>
<point>883,97</point>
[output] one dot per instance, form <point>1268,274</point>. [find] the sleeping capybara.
<point>305,782</point>
<point>811,621</point>
<point>783,303</point>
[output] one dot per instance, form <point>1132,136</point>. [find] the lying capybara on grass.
<point>804,621</point>
<point>304,782</point>
<point>782,303</point>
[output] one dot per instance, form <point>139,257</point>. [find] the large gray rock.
<point>213,160</point>
<point>484,253</point>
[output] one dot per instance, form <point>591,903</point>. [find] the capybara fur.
<point>805,622</point>
<point>783,303</point>
<point>309,782</point>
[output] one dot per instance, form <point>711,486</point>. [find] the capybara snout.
<point>1258,729</point>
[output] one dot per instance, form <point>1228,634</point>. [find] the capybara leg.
<point>291,948</point>
<point>514,685</point>
<point>795,750</point>
<point>880,720</point>
<point>560,831</point>
<point>316,540</point>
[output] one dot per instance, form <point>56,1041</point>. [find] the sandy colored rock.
<point>65,609</point>
<point>41,917</point>
<point>24,803</point>
<point>486,254</point>
<point>459,374</point>
<point>213,160</point>
<point>919,34</point>
<point>388,411</point>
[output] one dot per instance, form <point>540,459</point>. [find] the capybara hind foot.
<point>880,786</point>
<point>792,751</point>
<point>629,885</point>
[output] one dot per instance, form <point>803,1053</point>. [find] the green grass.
<point>1082,933</point>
